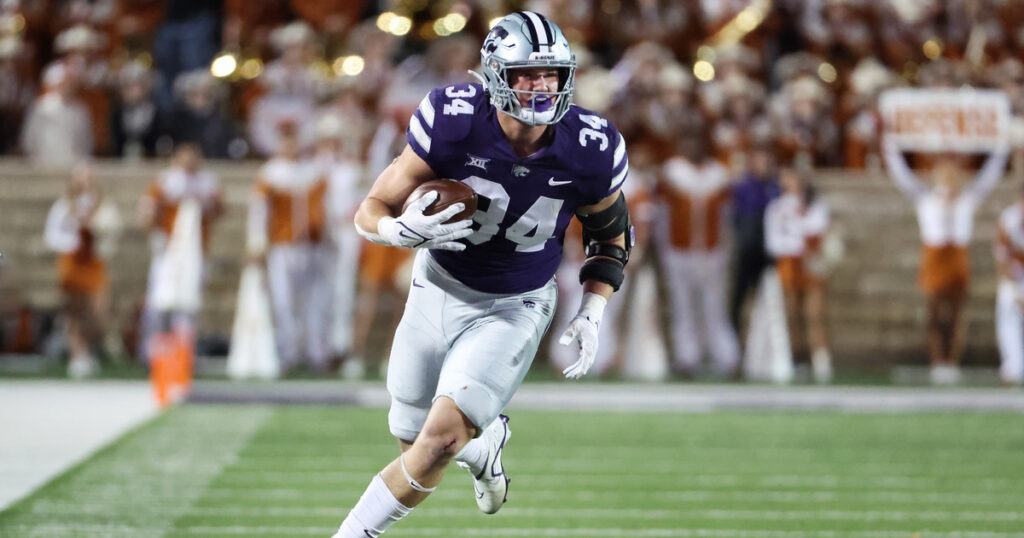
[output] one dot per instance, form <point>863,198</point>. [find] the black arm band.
<point>606,224</point>
<point>603,270</point>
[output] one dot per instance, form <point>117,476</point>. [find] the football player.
<point>483,290</point>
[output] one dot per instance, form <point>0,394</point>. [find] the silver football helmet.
<point>527,39</point>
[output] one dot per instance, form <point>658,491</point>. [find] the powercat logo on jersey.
<point>519,170</point>
<point>478,162</point>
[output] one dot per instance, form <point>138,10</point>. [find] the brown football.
<point>449,192</point>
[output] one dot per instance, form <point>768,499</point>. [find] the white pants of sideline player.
<point>299,277</point>
<point>1010,331</point>
<point>696,286</point>
<point>470,346</point>
<point>346,266</point>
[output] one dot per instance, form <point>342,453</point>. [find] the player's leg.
<point>814,314</point>
<point>608,343</point>
<point>569,295</point>
<point>685,338</point>
<point>418,471</point>
<point>80,361</point>
<point>1010,334</point>
<point>367,297</point>
<point>794,320</point>
<point>280,282</point>
<point>955,345</point>
<point>934,327</point>
<point>485,367</point>
<point>746,279</point>
<point>722,343</point>
<point>411,477</point>
<point>344,292</point>
<point>417,355</point>
<point>317,312</point>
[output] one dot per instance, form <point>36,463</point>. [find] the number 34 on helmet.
<point>527,39</point>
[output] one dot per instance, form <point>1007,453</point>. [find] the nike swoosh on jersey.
<point>555,183</point>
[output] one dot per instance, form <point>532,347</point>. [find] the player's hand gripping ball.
<point>436,215</point>
<point>449,192</point>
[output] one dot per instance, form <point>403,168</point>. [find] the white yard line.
<point>48,426</point>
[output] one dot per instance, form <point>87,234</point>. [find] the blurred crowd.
<point>717,100</point>
<point>133,77</point>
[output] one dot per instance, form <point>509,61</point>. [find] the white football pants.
<point>1010,331</point>
<point>470,346</point>
<point>346,268</point>
<point>696,286</point>
<point>301,283</point>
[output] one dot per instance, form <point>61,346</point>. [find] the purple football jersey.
<point>525,204</point>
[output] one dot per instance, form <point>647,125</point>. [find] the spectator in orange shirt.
<point>288,228</point>
<point>697,192</point>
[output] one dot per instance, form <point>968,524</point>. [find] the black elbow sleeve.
<point>606,261</point>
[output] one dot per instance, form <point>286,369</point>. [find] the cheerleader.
<point>1009,253</point>
<point>83,227</point>
<point>795,224</point>
<point>945,215</point>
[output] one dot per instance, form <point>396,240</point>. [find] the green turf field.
<point>293,471</point>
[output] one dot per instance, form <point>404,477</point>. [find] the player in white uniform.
<point>287,226</point>
<point>1009,253</point>
<point>697,190</point>
<point>483,295</point>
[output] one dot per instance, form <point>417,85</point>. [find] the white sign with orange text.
<point>961,120</point>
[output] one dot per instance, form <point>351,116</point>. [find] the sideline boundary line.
<point>638,397</point>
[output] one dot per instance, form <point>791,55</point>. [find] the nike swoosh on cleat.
<point>501,446</point>
<point>555,183</point>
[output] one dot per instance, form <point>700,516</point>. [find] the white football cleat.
<point>491,486</point>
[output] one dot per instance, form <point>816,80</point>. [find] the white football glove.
<point>413,229</point>
<point>583,329</point>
